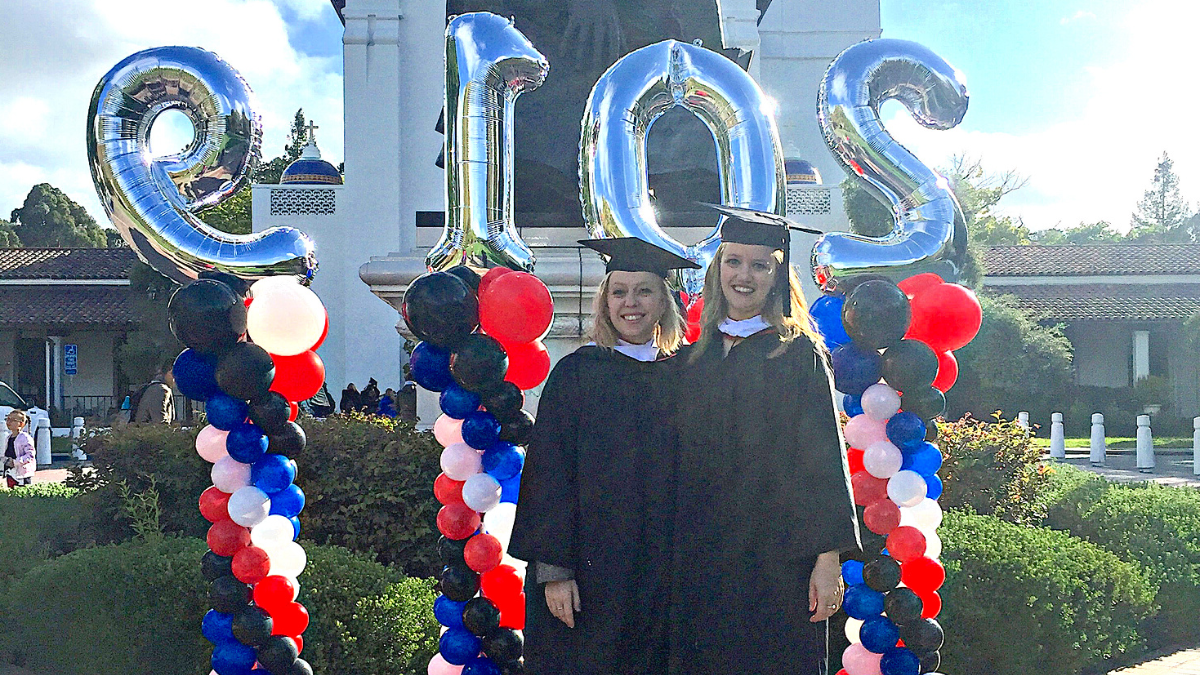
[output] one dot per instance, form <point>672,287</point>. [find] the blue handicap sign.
<point>71,359</point>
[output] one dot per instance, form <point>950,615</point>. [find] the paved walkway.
<point>1186,662</point>
<point>1172,466</point>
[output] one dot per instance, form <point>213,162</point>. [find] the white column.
<point>1141,355</point>
<point>739,28</point>
<point>1097,440</point>
<point>56,380</point>
<point>1145,445</point>
<point>42,442</point>
<point>1058,443</point>
<point>1196,446</point>
<point>49,362</point>
<point>1023,420</point>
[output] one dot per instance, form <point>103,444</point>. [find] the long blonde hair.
<point>716,308</point>
<point>668,333</point>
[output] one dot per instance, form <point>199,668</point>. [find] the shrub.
<point>395,633</point>
<point>37,522</point>
<point>1022,599</point>
<point>992,468</point>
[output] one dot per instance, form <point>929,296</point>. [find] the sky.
<point>1079,96</point>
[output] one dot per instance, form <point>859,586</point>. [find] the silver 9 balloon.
<point>151,201</point>
<point>489,63</point>
<point>930,232</point>
<point>627,99</point>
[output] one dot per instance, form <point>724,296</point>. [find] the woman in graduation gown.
<point>596,507</point>
<point>764,500</point>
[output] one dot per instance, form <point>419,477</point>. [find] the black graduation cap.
<point>630,254</point>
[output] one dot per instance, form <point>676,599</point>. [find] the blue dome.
<point>801,172</point>
<point>310,169</point>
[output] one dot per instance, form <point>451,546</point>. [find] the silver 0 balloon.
<point>152,201</point>
<point>929,233</point>
<point>489,63</point>
<point>625,102</point>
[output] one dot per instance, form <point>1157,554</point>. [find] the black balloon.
<point>903,606</point>
<point>504,401</point>
<point>468,275</point>
<point>300,667</point>
<point>459,583</point>
<point>518,429</point>
<point>909,365</point>
<point>213,566</point>
<point>503,645</point>
<point>931,430</point>
<point>235,283</point>
<point>926,403</point>
<point>440,308</point>
<point>252,626</point>
<point>481,616</point>
<point>207,316</point>
<point>513,668</point>
<point>228,595</point>
<point>882,574</point>
<point>923,636</point>
<point>451,550</point>
<point>290,441</point>
<point>278,654</point>
<point>479,363</point>
<point>931,662</point>
<point>245,371</point>
<point>271,413</point>
<point>876,314</point>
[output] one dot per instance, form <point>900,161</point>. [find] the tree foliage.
<point>1100,232</point>
<point>234,215</point>
<point>271,172</point>
<point>1162,215</point>
<point>49,218</point>
<point>8,235</point>
<point>151,344</point>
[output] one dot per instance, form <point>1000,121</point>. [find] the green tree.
<point>49,218</point>
<point>115,240</point>
<point>151,344</point>
<point>1100,232</point>
<point>1162,215</point>
<point>8,235</point>
<point>271,172</point>
<point>233,215</point>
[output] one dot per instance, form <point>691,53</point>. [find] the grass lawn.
<point>1121,442</point>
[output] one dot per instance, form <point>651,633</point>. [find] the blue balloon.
<point>246,443</point>
<point>233,658</point>
<point>510,490</point>
<point>480,430</point>
<point>448,612</point>
<point>925,459</point>
<point>295,527</point>
<point>195,375</point>
<point>481,665</point>
<point>933,486</point>
<point>288,502</point>
<point>273,473</point>
<point>852,405</point>
<point>459,645</point>
<point>826,312</point>
<point>217,627</point>
<point>878,634</point>
<point>862,603</point>
<point>457,402</point>
<point>906,430</point>
<point>430,367</point>
<point>503,461</point>
<point>225,412</point>
<point>854,369</point>
<point>899,661</point>
<point>852,572</point>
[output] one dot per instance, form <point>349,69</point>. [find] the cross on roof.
<point>311,128</point>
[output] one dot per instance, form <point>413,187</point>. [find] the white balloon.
<point>882,459</point>
<point>287,559</point>
<point>880,402</point>
<point>210,443</point>
<point>853,626</point>
<point>481,492</point>
<point>933,544</point>
<point>906,488</point>
<point>249,506</point>
<point>229,475</point>
<point>285,319</point>
<point>499,522</point>
<point>926,515</point>
<point>460,461</point>
<point>274,530</point>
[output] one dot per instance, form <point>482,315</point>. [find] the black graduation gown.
<point>763,488</point>
<point>596,497</point>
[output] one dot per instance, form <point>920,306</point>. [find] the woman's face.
<point>636,302</point>
<point>747,277</point>
<point>15,424</point>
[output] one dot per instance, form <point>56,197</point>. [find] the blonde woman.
<point>20,459</point>
<point>764,504</point>
<point>596,507</point>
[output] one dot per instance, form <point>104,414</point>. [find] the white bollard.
<point>1023,420</point>
<point>1145,445</point>
<point>42,442</point>
<point>1058,441</point>
<point>1196,446</point>
<point>76,435</point>
<point>1097,441</point>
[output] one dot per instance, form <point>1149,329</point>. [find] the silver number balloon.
<point>929,233</point>
<point>633,93</point>
<point>151,201</point>
<point>489,63</point>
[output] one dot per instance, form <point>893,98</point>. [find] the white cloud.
<point>1077,16</point>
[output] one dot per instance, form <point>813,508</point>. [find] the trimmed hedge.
<point>992,468</point>
<point>36,523</point>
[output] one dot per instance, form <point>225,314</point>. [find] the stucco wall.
<point>1101,353</point>
<point>95,372</point>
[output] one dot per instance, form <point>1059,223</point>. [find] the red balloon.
<point>226,537</point>
<point>489,278</point>
<point>457,521</point>
<point>324,334</point>
<point>516,308</point>
<point>947,371</point>
<point>945,317</point>
<point>447,490</point>
<point>881,516</point>
<point>917,283</point>
<point>274,592</point>
<point>483,552</point>
<point>299,642</point>
<point>855,457</point>
<point>693,321</point>
<point>295,407</point>
<point>906,542</point>
<point>923,575</point>
<point>500,584</point>
<point>931,605</point>
<point>512,614</point>
<point>214,504</point>
<point>251,565</point>
<point>867,488</point>
<point>290,619</point>
<point>528,364</point>
<point>299,377</point>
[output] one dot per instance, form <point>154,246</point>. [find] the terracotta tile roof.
<point>66,305</point>
<point>1099,302</point>
<point>66,263</point>
<point>1018,261</point>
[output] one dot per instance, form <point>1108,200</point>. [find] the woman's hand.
<point>825,586</point>
<point>562,597</point>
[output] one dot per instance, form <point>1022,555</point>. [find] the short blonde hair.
<point>19,413</point>
<point>668,333</point>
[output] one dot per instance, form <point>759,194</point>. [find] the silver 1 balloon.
<point>152,201</point>
<point>625,102</point>
<point>489,63</point>
<point>929,233</point>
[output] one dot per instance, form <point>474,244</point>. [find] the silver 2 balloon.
<point>489,63</point>
<point>624,104</point>
<point>152,201</point>
<point>930,232</point>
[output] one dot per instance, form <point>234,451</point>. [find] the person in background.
<point>350,399</point>
<point>368,402</point>
<point>20,459</point>
<point>321,404</point>
<point>406,402</point>
<point>387,403</point>
<point>154,403</point>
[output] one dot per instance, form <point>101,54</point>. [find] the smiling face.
<point>636,302</point>
<point>747,277</point>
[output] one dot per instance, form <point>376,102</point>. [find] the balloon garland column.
<point>480,347</point>
<point>905,335</point>
<point>250,390</point>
